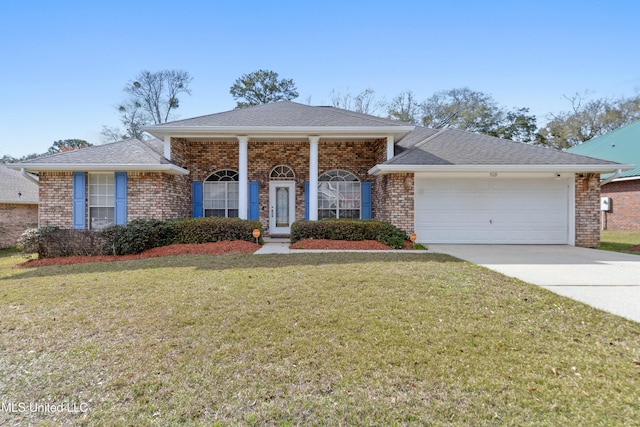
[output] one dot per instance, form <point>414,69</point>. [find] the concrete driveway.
<point>602,279</point>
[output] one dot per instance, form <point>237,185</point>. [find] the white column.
<point>167,147</point>
<point>313,177</point>
<point>243,180</point>
<point>390,145</point>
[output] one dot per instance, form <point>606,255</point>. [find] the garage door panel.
<point>517,211</point>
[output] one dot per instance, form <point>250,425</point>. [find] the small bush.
<point>29,241</point>
<point>135,237</point>
<point>215,229</point>
<point>51,242</point>
<point>349,229</point>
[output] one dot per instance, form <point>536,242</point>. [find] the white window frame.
<point>102,187</point>
<point>222,182</point>
<point>339,191</point>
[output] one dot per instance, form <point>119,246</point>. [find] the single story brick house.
<point>286,161</point>
<point>18,205</point>
<point>621,190</point>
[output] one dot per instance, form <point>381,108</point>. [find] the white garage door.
<point>492,210</point>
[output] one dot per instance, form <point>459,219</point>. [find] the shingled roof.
<point>454,149</point>
<point>285,114</point>
<point>131,154</point>
<point>16,188</point>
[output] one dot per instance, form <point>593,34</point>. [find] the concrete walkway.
<point>602,279</point>
<point>274,248</point>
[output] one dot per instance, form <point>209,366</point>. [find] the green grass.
<point>620,241</point>
<point>309,339</point>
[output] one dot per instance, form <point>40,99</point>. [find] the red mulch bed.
<point>362,245</point>
<point>224,247</point>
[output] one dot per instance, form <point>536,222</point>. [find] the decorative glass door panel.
<point>282,211</point>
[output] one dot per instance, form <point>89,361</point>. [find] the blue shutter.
<point>306,201</point>
<point>121,198</point>
<point>254,204</point>
<point>79,200</point>
<point>197,206</point>
<point>365,208</point>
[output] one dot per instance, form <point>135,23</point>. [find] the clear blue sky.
<point>64,63</point>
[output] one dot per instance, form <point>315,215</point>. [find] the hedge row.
<point>137,236</point>
<point>349,229</point>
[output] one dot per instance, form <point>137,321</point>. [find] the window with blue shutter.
<point>79,201</point>
<point>121,198</point>
<point>196,194</point>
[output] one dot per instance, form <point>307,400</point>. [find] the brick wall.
<point>395,193</point>
<point>14,220</point>
<point>157,195</point>
<point>625,204</point>
<point>587,208</point>
<point>56,199</point>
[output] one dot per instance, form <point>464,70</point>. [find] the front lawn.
<point>306,339</point>
<point>620,241</point>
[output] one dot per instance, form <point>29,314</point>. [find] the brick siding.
<point>145,199</point>
<point>14,220</point>
<point>587,210</point>
<point>394,194</point>
<point>56,199</point>
<point>625,205</point>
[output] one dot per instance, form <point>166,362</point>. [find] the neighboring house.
<point>285,161</point>
<point>18,205</point>
<point>621,211</point>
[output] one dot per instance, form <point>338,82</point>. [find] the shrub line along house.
<point>286,161</point>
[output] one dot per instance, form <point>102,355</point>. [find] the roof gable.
<point>129,151</point>
<point>128,155</point>
<point>284,114</point>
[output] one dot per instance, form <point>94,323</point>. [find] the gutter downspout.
<point>611,178</point>
<point>29,176</point>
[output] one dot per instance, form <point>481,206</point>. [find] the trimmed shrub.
<point>61,243</point>
<point>215,229</point>
<point>51,242</point>
<point>29,241</point>
<point>133,238</point>
<point>142,234</point>
<point>349,229</point>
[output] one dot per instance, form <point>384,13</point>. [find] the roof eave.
<point>278,131</point>
<point>383,169</point>
<point>626,178</point>
<point>87,167</point>
<point>18,202</point>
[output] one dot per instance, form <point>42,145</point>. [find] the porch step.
<point>277,240</point>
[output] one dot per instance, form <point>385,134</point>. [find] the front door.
<point>282,207</point>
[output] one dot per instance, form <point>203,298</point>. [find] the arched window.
<point>338,195</point>
<point>220,196</point>
<point>282,172</point>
